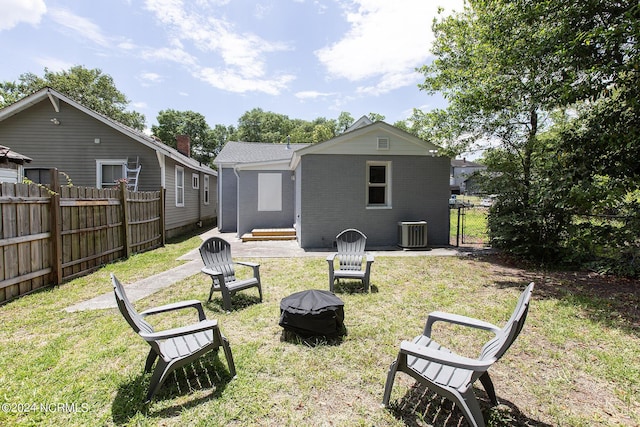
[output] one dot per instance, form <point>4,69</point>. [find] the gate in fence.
<point>468,225</point>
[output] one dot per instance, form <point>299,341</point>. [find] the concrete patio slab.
<point>239,249</point>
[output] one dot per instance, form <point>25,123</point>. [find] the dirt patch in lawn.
<point>616,299</point>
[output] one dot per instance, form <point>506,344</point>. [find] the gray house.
<point>11,165</point>
<point>95,151</point>
<point>462,176</point>
<point>372,177</point>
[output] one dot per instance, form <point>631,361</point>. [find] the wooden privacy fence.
<point>47,237</point>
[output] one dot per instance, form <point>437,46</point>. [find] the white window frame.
<point>205,186</point>
<point>386,185</point>
<point>179,186</point>
<point>109,162</point>
<point>195,181</point>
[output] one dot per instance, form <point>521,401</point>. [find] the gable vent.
<point>383,143</point>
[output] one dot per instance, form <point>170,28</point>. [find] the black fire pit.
<point>313,313</point>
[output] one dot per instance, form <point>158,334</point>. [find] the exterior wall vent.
<point>412,234</point>
<point>383,143</point>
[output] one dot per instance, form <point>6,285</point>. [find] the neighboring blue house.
<point>371,177</point>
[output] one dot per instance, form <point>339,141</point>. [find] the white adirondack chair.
<point>353,261</point>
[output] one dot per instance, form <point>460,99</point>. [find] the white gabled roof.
<point>55,96</point>
<point>362,121</point>
<point>332,146</point>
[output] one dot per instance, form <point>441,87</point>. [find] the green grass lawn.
<point>575,364</point>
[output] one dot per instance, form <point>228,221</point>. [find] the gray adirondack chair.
<point>353,261</point>
<point>451,375</point>
<point>218,264</point>
<point>173,348</point>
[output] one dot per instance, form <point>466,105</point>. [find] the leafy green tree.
<point>375,117</point>
<point>402,124</point>
<point>172,123</point>
<point>258,125</point>
<point>344,121</point>
<point>89,87</point>
<point>218,136</point>
<point>322,132</point>
<point>500,86</point>
<point>552,86</point>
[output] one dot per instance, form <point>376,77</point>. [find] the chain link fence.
<point>468,225</point>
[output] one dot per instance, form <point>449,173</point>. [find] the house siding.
<point>70,146</point>
<point>333,198</point>
<point>186,217</point>
<point>249,217</point>
<point>228,200</point>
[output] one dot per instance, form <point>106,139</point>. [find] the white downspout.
<point>235,171</point>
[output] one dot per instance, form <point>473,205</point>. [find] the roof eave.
<point>55,96</point>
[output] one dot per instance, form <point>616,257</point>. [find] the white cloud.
<point>389,82</point>
<point>176,54</point>
<point>148,79</point>
<point>80,25</point>
<point>153,77</point>
<point>243,54</point>
<point>387,40</point>
<point>234,82</point>
<point>53,64</point>
<point>16,11</point>
<point>311,94</point>
<point>139,105</point>
<point>126,45</point>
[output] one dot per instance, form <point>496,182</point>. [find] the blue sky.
<point>221,58</point>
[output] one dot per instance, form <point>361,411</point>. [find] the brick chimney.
<point>184,145</point>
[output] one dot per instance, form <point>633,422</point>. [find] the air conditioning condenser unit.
<point>412,234</point>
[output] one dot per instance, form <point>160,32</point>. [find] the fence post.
<point>56,228</point>
<point>125,219</point>
<point>458,229</point>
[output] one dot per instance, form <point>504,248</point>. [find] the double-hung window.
<point>378,184</point>
<point>206,189</point>
<point>179,186</point>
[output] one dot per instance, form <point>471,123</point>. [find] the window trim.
<point>206,191</point>
<point>179,186</point>
<point>195,181</point>
<point>387,185</point>
<point>108,162</point>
